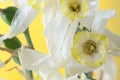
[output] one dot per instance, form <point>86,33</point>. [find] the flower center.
<point>75,7</point>
<point>90,47</point>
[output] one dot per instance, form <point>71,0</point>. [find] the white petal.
<point>23,17</point>
<point>49,74</point>
<point>101,19</point>
<point>73,68</point>
<point>55,31</point>
<point>110,68</point>
<point>20,3</point>
<point>52,74</point>
<point>32,60</point>
<point>1,64</point>
<point>50,10</point>
<point>28,57</point>
<point>93,6</point>
<point>106,76</point>
<point>87,21</point>
<point>53,61</point>
<point>68,40</point>
<point>113,37</point>
<point>115,52</point>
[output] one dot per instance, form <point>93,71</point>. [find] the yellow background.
<point>36,30</point>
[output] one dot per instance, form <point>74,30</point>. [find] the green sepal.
<point>12,43</point>
<point>86,29</point>
<point>16,60</point>
<point>78,29</point>
<point>8,14</point>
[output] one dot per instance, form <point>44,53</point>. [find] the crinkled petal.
<point>106,76</point>
<point>113,37</point>
<point>20,3</point>
<point>55,31</point>
<point>109,68</point>
<point>114,52</point>
<point>89,17</point>
<point>32,60</point>
<point>87,21</point>
<point>101,19</point>
<point>28,57</point>
<point>50,10</point>
<point>23,17</point>
<point>73,68</point>
<point>52,74</point>
<point>53,61</point>
<point>93,7</point>
<point>68,40</point>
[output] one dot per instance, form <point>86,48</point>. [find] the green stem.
<point>28,38</point>
<point>29,41</point>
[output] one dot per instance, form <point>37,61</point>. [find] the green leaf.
<point>16,59</point>
<point>12,43</point>
<point>8,14</point>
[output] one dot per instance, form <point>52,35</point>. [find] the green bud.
<point>8,14</point>
<point>12,43</point>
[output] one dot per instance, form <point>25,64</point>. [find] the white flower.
<point>72,9</point>
<point>94,48</point>
<point>27,11</point>
<point>43,66</point>
<point>60,34</point>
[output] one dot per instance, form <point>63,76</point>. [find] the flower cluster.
<point>76,36</point>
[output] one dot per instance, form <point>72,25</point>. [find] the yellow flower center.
<point>36,4</point>
<point>74,9</point>
<point>89,48</point>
